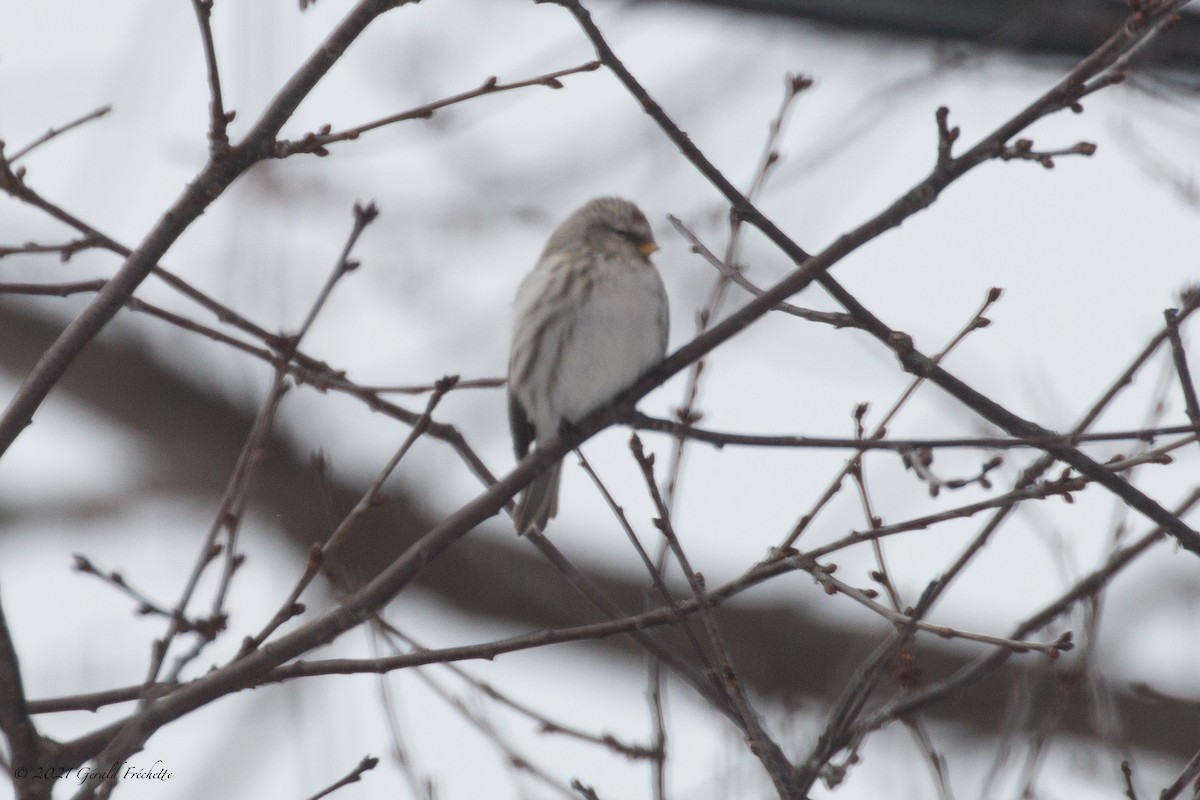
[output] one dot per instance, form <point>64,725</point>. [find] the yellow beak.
<point>647,248</point>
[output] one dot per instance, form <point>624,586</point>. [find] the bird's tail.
<point>539,502</point>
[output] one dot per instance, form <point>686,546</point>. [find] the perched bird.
<point>590,319</point>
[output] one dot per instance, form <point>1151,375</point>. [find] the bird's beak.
<point>647,248</point>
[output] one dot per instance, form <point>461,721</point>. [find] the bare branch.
<point>1022,150</point>
<point>810,268</point>
<point>366,765</point>
<point>836,319</point>
<point>1191,405</point>
<point>64,251</point>
<point>219,119</point>
<point>319,554</point>
<point>26,746</point>
<point>1082,589</point>
<point>866,598</point>
<point>54,132</point>
<point>317,143</point>
<point>760,742</point>
<point>212,180</point>
<point>1188,777</point>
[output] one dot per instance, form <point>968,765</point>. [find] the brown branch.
<point>545,724</point>
<point>145,605</point>
<point>866,598</point>
<point>1127,774</point>
<point>219,119</point>
<point>1063,95</point>
<point>318,555</point>
<point>27,748</point>
<point>1022,150</point>
<point>834,318</point>
<point>209,184</point>
<point>1084,588</point>
<point>54,132</point>
<point>317,142</point>
<point>687,412</point>
<point>1191,405</point>
<point>761,745</point>
<point>132,734</point>
<point>657,580</point>
<point>1028,489</point>
<point>399,574</point>
<point>366,765</point>
<point>1187,777</point>
<point>64,251</point>
<point>425,388</point>
<point>719,439</point>
<point>973,324</point>
<point>306,369</point>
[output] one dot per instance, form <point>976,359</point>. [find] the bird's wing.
<point>522,428</point>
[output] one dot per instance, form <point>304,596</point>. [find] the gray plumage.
<point>590,319</point>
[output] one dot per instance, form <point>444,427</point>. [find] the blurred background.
<point>127,460</point>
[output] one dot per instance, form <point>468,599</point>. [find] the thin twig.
<point>544,723</point>
<point>835,318</point>
<point>866,598</point>
<point>209,184</point>
<point>232,511</point>
<point>1187,777</point>
<point>1064,95</point>
<point>64,251</point>
<point>653,570</point>
<point>366,765</point>
<point>1191,404</point>
<point>25,745</point>
<point>512,757</point>
<point>421,786</point>
<point>597,598</point>
<point>426,388</point>
<point>658,721</point>
<point>761,744</point>
<point>1085,587</point>
<point>145,605</point>
<point>1030,489</point>
<point>881,574</point>
<point>364,215</point>
<point>880,428</point>
<point>687,412</point>
<point>219,119</point>
<point>53,132</point>
<point>317,142</point>
<point>1127,774</point>
<point>318,555</point>
<point>937,762</point>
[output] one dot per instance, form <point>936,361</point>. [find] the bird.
<point>590,318</point>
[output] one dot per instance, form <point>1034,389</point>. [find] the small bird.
<point>590,319</point>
